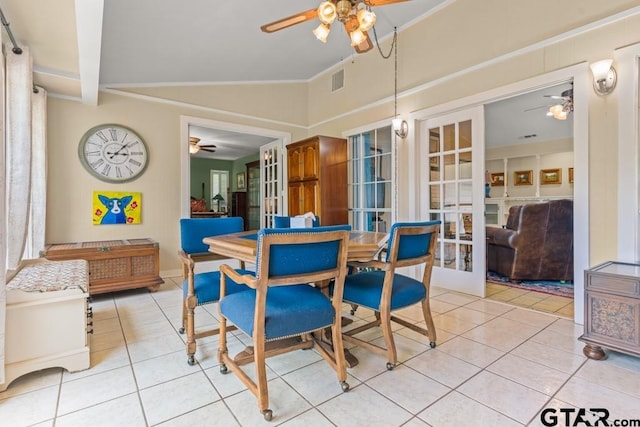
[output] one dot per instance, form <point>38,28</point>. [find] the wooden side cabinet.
<point>114,265</point>
<point>612,309</point>
<point>317,179</point>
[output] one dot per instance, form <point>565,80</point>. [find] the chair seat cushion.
<point>289,311</point>
<point>207,286</point>
<point>365,289</point>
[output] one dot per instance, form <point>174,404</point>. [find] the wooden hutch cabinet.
<point>317,178</point>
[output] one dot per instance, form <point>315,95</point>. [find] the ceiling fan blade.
<point>289,21</point>
<point>381,2</point>
<point>207,145</point>
<point>536,108</point>
<point>207,149</point>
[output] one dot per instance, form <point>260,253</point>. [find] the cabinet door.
<point>310,158</point>
<point>294,162</point>
<point>304,197</point>
<point>311,197</point>
<point>295,198</point>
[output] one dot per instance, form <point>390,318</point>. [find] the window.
<point>371,180</point>
<point>219,190</point>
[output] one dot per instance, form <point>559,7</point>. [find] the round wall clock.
<point>113,153</point>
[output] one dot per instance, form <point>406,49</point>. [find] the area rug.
<point>564,289</point>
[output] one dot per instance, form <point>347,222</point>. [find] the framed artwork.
<point>117,207</point>
<point>523,178</point>
<point>550,176</point>
<point>240,183</point>
<point>497,179</point>
<point>571,175</point>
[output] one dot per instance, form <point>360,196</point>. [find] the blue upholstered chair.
<point>285,222</point>
<point>202,288</point>
<point>281,305</point>
<point>383,290</point>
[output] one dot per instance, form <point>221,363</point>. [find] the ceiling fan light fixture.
<point>322,32</point>
<point>357,37</point>
<point>193,149</point>
<point>343,9</point>
<point>327,12</point>
<point>555,109</point>
<point>366,18</point>
<point>562,115</point>
<point>559,111</point>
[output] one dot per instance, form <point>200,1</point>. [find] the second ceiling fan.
<point>194,147</point>
<point>356,16</point>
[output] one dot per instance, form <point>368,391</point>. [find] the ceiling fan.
<point>560,109</point>
<point>194,147</point>
<point>563,107</point>
<point>356,16</point>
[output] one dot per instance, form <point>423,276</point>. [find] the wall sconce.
<point>604,76</point>
<point>400,127</point>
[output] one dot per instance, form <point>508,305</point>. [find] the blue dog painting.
<point>115,209</point>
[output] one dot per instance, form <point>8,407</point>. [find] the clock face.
<point>113,153</point>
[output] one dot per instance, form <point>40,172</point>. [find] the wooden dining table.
<point>363,246</point>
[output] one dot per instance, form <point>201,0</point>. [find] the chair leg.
<point>338,355</point>
<point>385,323</point>
<point>222,345</point>
<point>190,304</point>
<point>428,320</point>
<point>354,307</point>
<point>184,317</point>
<point>261,379</point>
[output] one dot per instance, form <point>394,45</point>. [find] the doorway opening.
<point>529,160</point>
<point>229,148</point>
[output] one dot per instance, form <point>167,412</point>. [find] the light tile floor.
<point>562,306</point>
<point>495,365</point>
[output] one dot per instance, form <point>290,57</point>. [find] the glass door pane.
<point>454,197</point>
<point>370,180</point>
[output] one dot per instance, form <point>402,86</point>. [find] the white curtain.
<point>23,186</point>
<point>3,233</point>
<point>38,211</point>
<point>19,87</point>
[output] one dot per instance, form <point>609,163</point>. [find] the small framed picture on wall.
<point>240,183</point>
<point>523,178</point>
<point>497,179</point>
<point>551,176</point>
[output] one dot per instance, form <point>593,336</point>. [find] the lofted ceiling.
<point>81,46</point>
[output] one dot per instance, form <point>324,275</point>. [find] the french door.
<point>452,166</point>
<point>271,184</point>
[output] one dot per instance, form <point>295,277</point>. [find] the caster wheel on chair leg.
<point>268,414</point>
<point>224,369</point>
<point>181,331</point>
<point>191,360</point>
<point>390,366</point>
<point>432,344</point>
<point>345,386</point>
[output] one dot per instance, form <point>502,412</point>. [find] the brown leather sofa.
<point>536,243</point>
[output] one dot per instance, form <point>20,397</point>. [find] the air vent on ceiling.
<point>337,80</point>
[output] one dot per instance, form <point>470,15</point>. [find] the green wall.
<point>200,176</point>
<point>240,165</point>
